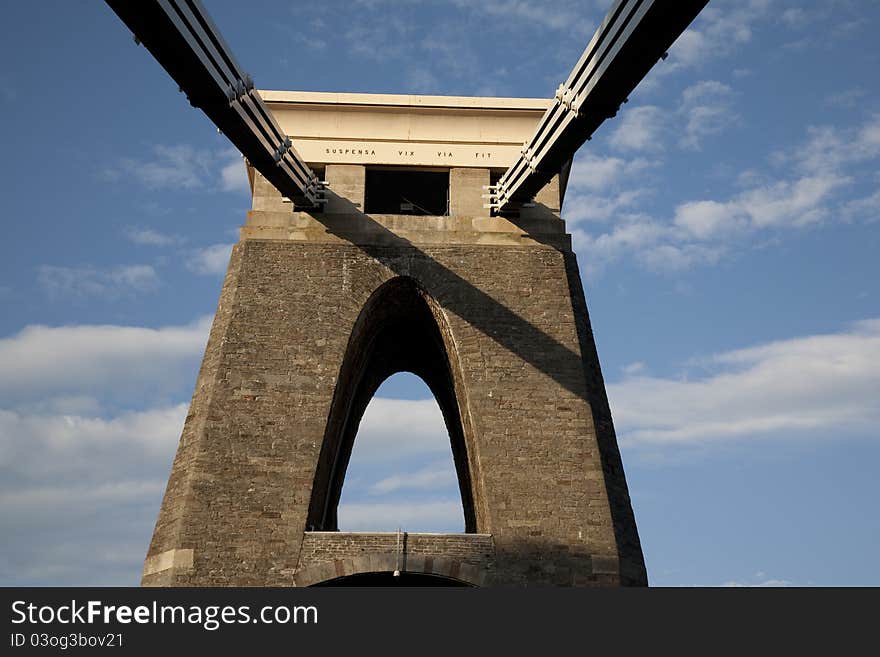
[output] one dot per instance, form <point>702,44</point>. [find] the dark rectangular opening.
<point>407,191</point>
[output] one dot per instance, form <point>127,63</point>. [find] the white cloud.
<point>439,515</point>
<point>61,404</point>
<point>767,583</point>
<point>704,121</point>
<point>592,207</point>
<point>138,277</point>
<point>438,475</point>
<point>381,40</point>
<point>638,129</point>
<point>82,282</point>
<point>709,219</point>
<point>179,166</point>
<point>598,187</point>
<point>707,109</point>
<point>677,257</point>
<point>308,40</point>
<point>717,31</point>
<point>824,166</point>
<point>422,80</point>
<point>80,482</point>
<point>79,494</point>
<point>150,237</point>
<point>796,203</point>
<point>557,16</point>
<point>42,361</point>
<point>828,149</point>
<point>704,90</point>
<point>594,173</point>
<point>631,234</point>
<point>820,385</point>
<point>233,176</point>
<point>687,50</point>
<point>866,208</point>
<point>392,429</point>
<point>795,17</point>
<point>402,452</point>
<point>209,261</point>
<point>701,231</point>
<point>656,245</point>
<point>780,204</point>
<point>57,450</point>
<point>633,368</point>
<point>182,166</point>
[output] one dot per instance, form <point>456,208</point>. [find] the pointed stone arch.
<point>401,328</point>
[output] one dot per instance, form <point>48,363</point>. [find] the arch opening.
<point>401,472</point>
<point>400,329</point>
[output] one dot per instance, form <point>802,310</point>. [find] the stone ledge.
<point>398,229</point>
<point>175,558</point>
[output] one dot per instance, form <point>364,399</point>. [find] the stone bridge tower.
<point>404,270</point>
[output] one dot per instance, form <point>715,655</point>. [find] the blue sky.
<point>726,224</point>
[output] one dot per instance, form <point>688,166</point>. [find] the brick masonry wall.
<point>546,474</point>
<point>465,557</point>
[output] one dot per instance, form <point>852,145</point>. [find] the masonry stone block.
<point>466,190</point>
<point>347,187</point>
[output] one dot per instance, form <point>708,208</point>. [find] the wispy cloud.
<point>80,282</point>
<point>817,386</point>
<point>556,16</point>
<point>717,31</point>
<point>439,515</point>
<point>760,580</point>
<point>150,237</point>
<point>233,176</point>
<point>437,475</point>
<point>393,429</point>
<point>210,260</point>
<point>81,472</point>
<point>706,107</point>
<point>422,80</point>
<point>782,203</point>
<point>847,99</point>
<point>179,167</point>
<point>802,188</point>
<point>182,167</point>
<point>381,41</point>
<point>638,129</point>
<point>654,245</point>
<point>594,173</point>
<point>829,149</point>
<point>795,17</point>
<point>41,362</point>
<point>79,494</point>
<point>594,207</point>
<point>866,208</point>
<point>824,166</point>
<point>607,188</point>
